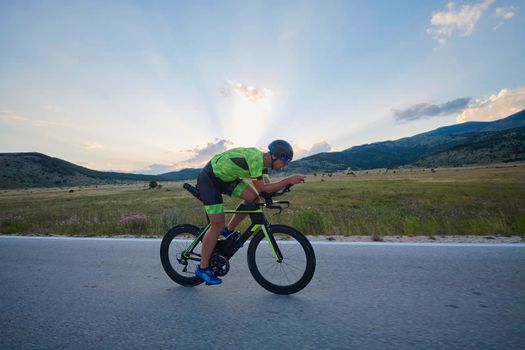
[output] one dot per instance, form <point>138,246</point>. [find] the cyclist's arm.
<point>262,186</point>
<point>266,178</point>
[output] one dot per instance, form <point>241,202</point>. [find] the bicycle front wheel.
<point>296,269</point>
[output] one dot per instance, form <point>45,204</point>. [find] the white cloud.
<point>320,147</point>
<point>91,145</point>
<point>444,24</point>
<point>251,93</point>
<point>504,14</point>
<point>52,108</point>
<point>15,117</point>
<point>427,110</point>
<point>300,152</point>
<point>201,155</point>
<point>497,26</point>
<point>496,106</point>
<point>8,116</point>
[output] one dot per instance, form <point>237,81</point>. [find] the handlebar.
<point>270,203</point>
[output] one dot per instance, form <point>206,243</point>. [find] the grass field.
<point>454,201</point>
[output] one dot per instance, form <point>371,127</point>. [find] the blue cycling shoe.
<point>225,232</point>
<point>207,276</point>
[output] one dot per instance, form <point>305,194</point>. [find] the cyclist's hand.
<point>296,179</point>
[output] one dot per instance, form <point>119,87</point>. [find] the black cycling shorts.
<point>211,189</point>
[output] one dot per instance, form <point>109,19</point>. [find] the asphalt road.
<point>114,294</point>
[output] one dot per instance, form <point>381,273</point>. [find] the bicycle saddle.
<point>193,190</point>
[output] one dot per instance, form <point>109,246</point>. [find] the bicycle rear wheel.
<point>174,243</point>
<point>296,269</point>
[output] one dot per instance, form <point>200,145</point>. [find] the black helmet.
<point>282,150</point>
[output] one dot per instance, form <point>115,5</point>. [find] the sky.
<point>156,86</point>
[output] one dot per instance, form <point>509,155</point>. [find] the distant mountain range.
<point>20,170</point>
<point>463,144</point>
<point>456,145</point>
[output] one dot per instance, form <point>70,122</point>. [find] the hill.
<point>184,174</point>
<point>18,170</point>
<point>418,149</point>
<point>483,148</point>
<point>456,145</point>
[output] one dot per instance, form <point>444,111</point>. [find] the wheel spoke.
<point>285,274</point>
<point>299,252</point>
<point>293,266</point>
<point>295,271</point>
<point>268,263</point>
<point>177,247</point>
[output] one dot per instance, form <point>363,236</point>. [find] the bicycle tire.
<point>168,264</point>
<point>305,247</point>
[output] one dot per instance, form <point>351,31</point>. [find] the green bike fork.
<point>273,245</point>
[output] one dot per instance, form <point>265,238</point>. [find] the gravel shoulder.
<point>338,238</point>
<point>421,239</point>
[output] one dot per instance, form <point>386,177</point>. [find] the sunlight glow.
<point>250,120</point>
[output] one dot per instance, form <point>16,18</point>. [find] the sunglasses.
<point>285,159</point>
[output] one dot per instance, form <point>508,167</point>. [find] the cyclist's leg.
<point>209,188</point>
<point>249,195</point>
<point>210,238</point>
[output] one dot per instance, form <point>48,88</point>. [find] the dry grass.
<point>476,200</point>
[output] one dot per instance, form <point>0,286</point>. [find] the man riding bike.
<point>224,174</point>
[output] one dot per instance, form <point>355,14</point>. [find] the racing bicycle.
<point>280,258</point>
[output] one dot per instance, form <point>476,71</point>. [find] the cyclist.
<point>224,174</point>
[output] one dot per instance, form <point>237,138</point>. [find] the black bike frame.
<point>229,246</point>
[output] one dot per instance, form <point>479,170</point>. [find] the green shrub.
<point>411,225</point>
<point>11,226</point>
<point>169,218</point>
<point>520,223</point>
<point>134,223</point>
<point>309,222</point>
